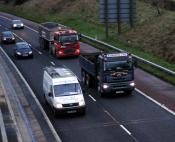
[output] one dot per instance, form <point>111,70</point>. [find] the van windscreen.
<point>67,89</point>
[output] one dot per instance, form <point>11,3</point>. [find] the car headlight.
<point>18,53</point>
<point>132,84</point>
<point>30,52</point>
<point>13,38</point>
<point>105,86</point>
<point>4,38</point>
<point>22,24</point>
<point>14,25</point>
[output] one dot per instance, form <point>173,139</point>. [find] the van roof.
<point>59,72</point>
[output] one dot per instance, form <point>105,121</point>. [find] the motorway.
<point>131,118</point>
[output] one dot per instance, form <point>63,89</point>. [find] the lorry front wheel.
<point>83,77</point>
<point>88,80</point>
<point>101,94</point>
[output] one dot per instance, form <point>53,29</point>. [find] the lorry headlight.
<point>105,86</point>
<point>81,102</point>
<point>132,84</point>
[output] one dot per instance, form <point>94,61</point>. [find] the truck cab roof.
<point>115,56</point>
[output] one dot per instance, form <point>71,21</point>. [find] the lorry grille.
<point>70,105</point>
<point>69,51</point>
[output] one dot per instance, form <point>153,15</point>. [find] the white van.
<point>63,91</point>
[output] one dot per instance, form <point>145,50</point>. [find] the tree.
<point>156,3</point>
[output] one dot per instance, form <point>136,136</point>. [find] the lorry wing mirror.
<point>135,63</point>
<point>79,36</point>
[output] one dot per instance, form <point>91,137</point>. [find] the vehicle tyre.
<point>54,112</point>
<point>50,50</point>
<point>88,80</point>
<point>45,101</point>
<point>83,77</point>
<point>101,94</point>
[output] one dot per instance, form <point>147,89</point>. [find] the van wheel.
<point>45,101</point>
<point>54,112</point>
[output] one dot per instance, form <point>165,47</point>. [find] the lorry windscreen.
<point>117,66</point>
<point>67,89</point>
<point>68,38</point>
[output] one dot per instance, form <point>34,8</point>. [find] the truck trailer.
<point>110,73</point>
<point>60,40</point>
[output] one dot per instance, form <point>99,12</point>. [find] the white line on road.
<point>156,102</point>
<point>30,45</point>
<point>5,17</point>
<point>31,29</point>
<point>92,98</point>
<point>40,52</point>
<point>126,130</point>
<point>52,63</point>
<point>19,37</point>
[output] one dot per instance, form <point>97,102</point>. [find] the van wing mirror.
<point>50,94</point>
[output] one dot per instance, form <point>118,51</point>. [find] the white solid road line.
<point>92,98</point>
<point>52,63</point>
<point>31,28</point>
<point>126,130</point>
<point>156,102</point>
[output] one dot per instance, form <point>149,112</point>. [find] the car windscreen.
<point>68,38</point>
<point>8,35</point>
<point>67,89</point>
<point>17,22</point>
<point>118,66</point>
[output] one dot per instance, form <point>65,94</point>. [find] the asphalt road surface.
<point>121,118</point>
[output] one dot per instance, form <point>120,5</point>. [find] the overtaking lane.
<point>140,116</point>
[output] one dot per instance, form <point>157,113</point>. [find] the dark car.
<point>17,24</point>
<point>7,37</point>
<point>22,49</point>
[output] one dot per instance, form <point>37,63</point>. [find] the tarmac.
<point>18,122</point>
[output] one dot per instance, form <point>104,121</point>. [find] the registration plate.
<point>24,55</point>
<point>119,92</point>
<point>71,111</point>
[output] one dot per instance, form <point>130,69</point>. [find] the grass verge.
<point>96,31</point>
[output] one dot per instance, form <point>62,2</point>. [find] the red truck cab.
<point>66,43</point>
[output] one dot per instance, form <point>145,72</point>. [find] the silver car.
<point>17,24</point>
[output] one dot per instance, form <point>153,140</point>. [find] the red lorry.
<point>60,40</point>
